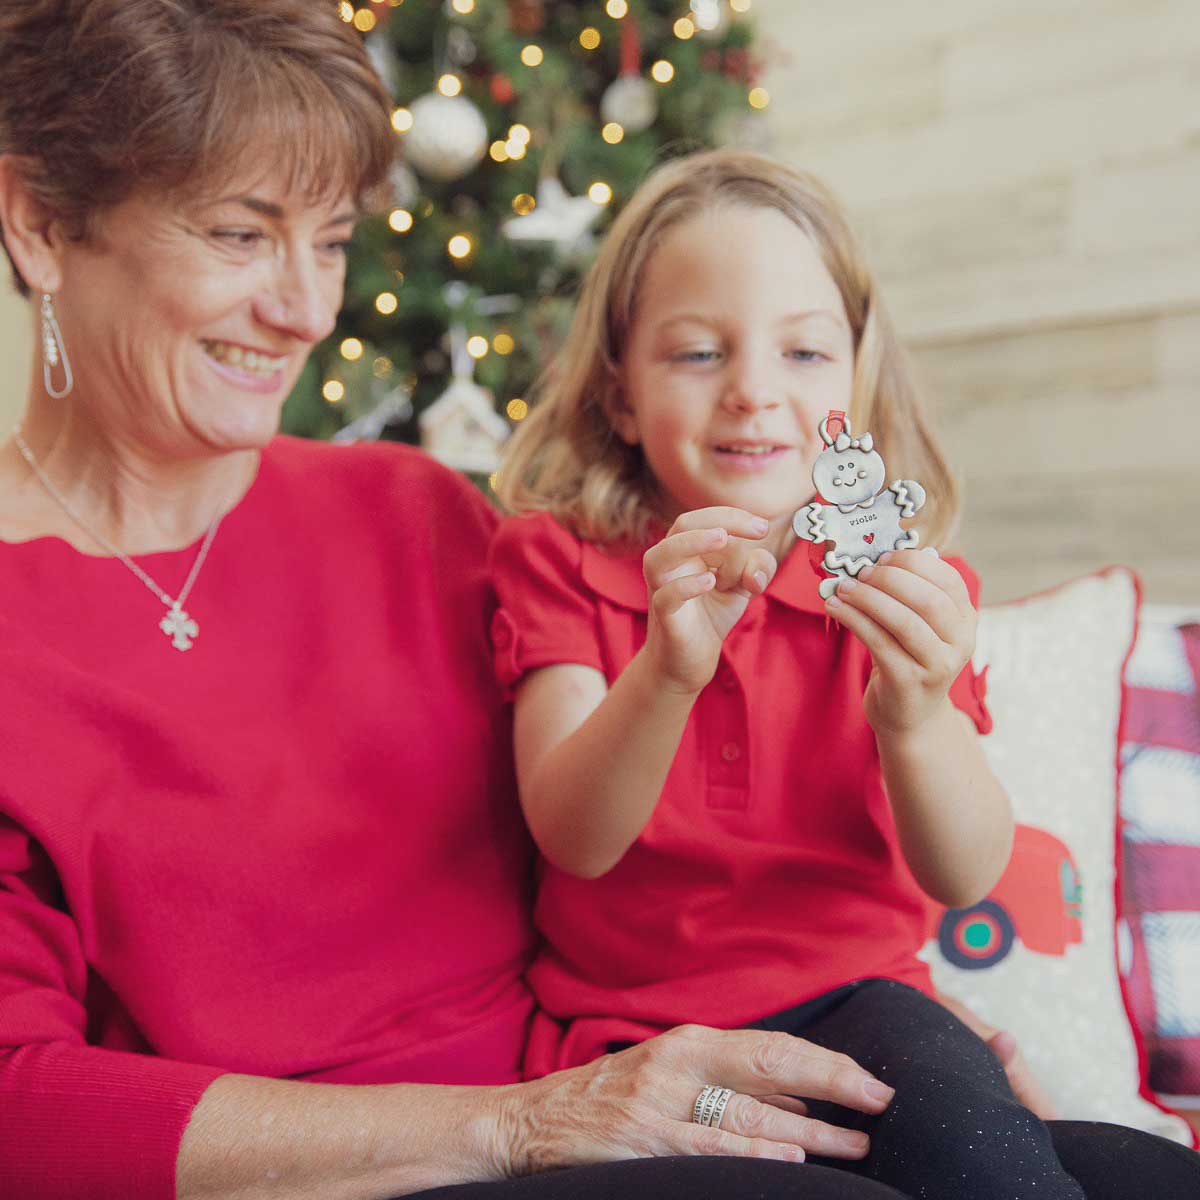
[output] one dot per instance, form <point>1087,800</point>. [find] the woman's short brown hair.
<point>103,98</point>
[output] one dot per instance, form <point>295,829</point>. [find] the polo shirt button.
<point>731,752</point>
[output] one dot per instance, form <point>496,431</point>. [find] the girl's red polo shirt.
<point>770,871</point>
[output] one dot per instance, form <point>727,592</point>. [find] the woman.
<point>257,837</point>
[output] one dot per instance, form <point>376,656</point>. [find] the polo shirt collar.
<point>617,576</point>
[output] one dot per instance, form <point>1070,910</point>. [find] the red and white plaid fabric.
<point>1160,871</point>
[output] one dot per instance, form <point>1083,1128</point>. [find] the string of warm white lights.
<point>535,49</point>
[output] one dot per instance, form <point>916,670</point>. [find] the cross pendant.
<point>179,627</point>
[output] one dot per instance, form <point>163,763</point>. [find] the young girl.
<point>744,794</point>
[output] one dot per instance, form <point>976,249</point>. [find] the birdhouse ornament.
<point>850,512</point>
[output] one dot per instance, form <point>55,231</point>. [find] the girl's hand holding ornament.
<point>913,613</point>
<point>700,578</point>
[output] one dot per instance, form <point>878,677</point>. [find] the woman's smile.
<point>253,370</point>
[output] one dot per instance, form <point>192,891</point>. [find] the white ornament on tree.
<point>631,102</point>
<point>395,406</point>
<point>447,138</point>
<point>405,186</point>
<point>460,47</point>
<point>462,428</point>
<point>563,220</point>
<point>383,59</point>
<point>711,17</point>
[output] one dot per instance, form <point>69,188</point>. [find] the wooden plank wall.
<point>1026,175</point>
<point>14,352</point>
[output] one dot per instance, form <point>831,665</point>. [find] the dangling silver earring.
<point>54,350</point>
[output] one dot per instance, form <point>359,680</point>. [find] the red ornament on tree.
<point>502,89</point>
<point>737,63</point>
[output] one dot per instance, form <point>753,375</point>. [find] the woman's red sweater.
<point>291,851</point>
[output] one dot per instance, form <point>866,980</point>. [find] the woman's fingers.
<point>752,1118</point>
<point>1025,1084</point>
<point>757,1063</point>
<point>692,1139</point>
<point>639,1101</point>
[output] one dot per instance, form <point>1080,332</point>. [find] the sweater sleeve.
<point>77,1122</point>
<point>547,613</point>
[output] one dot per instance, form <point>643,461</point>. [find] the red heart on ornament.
<point>868,538</point>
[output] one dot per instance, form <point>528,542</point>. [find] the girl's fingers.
<point>928,564</point>
<point>885,651</point>
<point>758,570</point>
<point>737,521</point>
<point>735,561</point>
<point>790,1104</point>
<point>681,553</point>
<point>671,597</point>
<point>906,627</point>
<point>927,599</point>
<point>739,563</point>
<point>751,1118</point>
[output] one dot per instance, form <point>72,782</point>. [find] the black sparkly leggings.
<point>1111,1163</point>
<point>953,1131</point>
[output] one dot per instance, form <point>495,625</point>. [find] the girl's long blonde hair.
<point>567,459</point>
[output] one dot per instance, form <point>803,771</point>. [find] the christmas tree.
<point>523,126</point>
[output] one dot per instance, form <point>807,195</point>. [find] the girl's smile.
<point>738,347</point>
<point>747,456</point>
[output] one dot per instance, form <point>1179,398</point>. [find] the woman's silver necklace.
<point>177,625</point>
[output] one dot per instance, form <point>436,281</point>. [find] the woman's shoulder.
<point>392,475</point>
<point>361,462</point>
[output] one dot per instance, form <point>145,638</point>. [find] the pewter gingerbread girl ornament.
<point>850,510</point>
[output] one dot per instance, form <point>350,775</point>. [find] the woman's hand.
<point>638,1103</point>
<point>700,578</point>
<point>1025,1084</point>
<point>914,615</point>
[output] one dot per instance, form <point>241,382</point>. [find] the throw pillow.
<point>1037,957</point>
<point>1160,883</point>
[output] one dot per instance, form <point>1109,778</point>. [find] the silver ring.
<point>710,1105</point>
